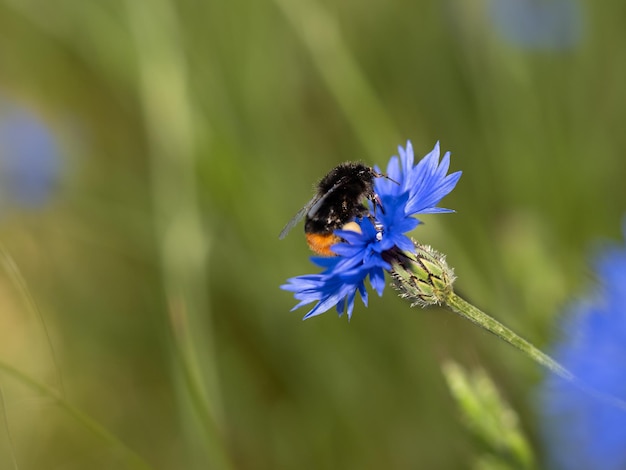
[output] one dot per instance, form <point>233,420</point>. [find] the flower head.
<point>415,189</point>
<point>30,161</point>
<point>584,430</point>
<point>556,25</point>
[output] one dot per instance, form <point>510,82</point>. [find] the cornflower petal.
<point>582,430</point>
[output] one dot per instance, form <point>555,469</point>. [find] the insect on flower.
<point>355,240</point>
<point>338,201</point>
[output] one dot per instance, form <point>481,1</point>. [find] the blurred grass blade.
<point>183,245</point>
<point>489,418</point>
<point>344,77</point>
<point>133,460</point>
<point>8,429</point>
<point>18,280</point>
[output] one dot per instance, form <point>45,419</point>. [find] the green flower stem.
<point>476,316</point>
<point>425,278</point>
<point>133,460</point>
<point>480,318</point>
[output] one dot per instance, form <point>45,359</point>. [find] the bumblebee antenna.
<point>375,198</point>
<point>382,175</point>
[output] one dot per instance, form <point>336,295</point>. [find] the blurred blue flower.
<point>538,24</point>
<point>29,158</point>
<point>583,431</point>
<point>416,189</point>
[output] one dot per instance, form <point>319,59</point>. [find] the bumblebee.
<point>339,199</point>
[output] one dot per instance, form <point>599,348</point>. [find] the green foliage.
<point>190,132</point>
<point>490,419</point>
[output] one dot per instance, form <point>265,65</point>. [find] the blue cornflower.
<point>582,430</point>
<point>540,25</point>
<point>30,160</point>
<point>415,189</point>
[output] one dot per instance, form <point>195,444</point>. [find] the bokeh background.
<point>151,152</point>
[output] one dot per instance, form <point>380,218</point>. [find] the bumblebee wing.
<point>316,203</point>
<point>299,216</point>
<point>309,209</point>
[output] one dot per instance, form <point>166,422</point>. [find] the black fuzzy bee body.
<point>342,191</point>
<point>339,199</point>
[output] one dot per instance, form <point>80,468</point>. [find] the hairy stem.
<point>473,314</point>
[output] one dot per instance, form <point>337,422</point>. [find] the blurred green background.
<point>150,153</point>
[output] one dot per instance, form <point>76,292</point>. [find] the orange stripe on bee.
<point>320,243</point>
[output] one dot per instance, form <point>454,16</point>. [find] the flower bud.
<point>423,277</point>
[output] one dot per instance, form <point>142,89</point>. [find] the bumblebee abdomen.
<point>321,243</point>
